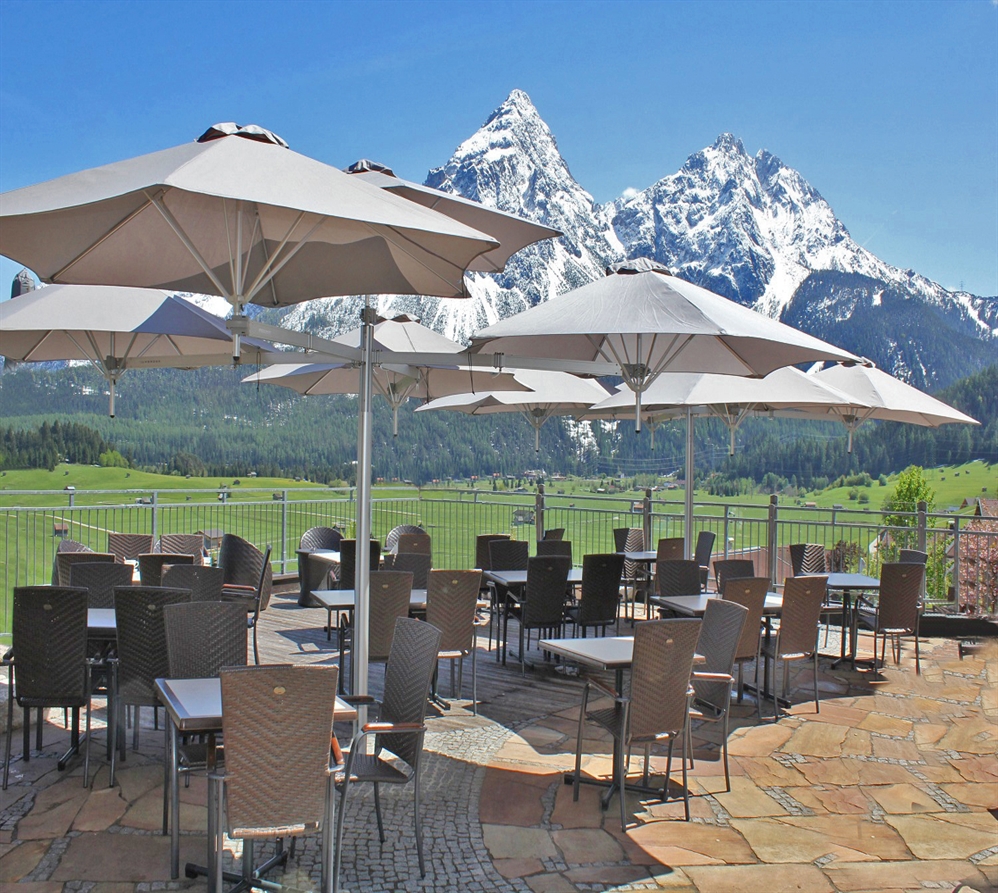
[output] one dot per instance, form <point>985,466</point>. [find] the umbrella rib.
<point>178,230</point>
<point>265,276</point>
<point>94,245</point>
<point>37,344</point>
<point>401,247</point>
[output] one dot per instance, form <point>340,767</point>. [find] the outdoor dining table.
<point>346,600</point>
<point>646,558</point>
<point>514,582</point>
<point>194,706</point>
<point>102,623</point>
<point>696,605</point>
<point>846,584</point>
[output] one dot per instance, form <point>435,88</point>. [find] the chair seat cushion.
<point>368,767</point>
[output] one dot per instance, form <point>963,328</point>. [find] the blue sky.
<point>890,110</point>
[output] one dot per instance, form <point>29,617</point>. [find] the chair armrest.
<point>603,689</point>
<point>714,677</point>
<point>238,587</point>
<point>359,700</point>
<point>8,655</point>
<point>394,727</point>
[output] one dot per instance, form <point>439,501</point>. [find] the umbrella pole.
<point>688,528</point>
<point>362,578</point>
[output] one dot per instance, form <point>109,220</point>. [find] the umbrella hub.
<point>247,131</point>
<point>365,165</point>
<point>637,265</point>
<point>636,375</point>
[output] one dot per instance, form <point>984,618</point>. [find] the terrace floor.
<point>893,786</point>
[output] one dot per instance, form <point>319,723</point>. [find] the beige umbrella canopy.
<point>550,394</point>
<point>873,394</point>
<point>396,382</point>
<point>512,232</point>
<point>116,328</point>
<point>646,321</point>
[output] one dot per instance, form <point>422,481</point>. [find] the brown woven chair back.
<point>348,561</point>
<point>411,663</point>
<point>390,592</point>
<point>660,676</point>
<point>65,546</point>
<point>416,563</point>
<point>900,596</point>
<point>65,561</point>
<point>807,558</point>
<point>49,627</point>
<point>629,539</point>
<point>913,556</point>
<point>555,533</point>
<point>183,544</point>
<point>731,568</point>
<point>392,540</point>
<point>205,583</point>
<point>677,577</point>
<point>418,543</point>
<point>451,601</point>
<point>750,593</point>
<point>129,545</point>
<point>202,637</point>
<point>671,549</point>
<point>142,654</point>
<point>508,555</point>
<point>276,721</point>
<point>100,579</point>
<point>704,547</point>
<point>723,623</point>
<point>242,564</point>
<point>555,547</point>
<point>802,599</point>
<point>600,589</point>
<point>321,538</point>
<point>151,565</point>
<point>482,560</point>
<point>544,596</point>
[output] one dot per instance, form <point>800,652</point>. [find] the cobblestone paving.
<point>893,786</point>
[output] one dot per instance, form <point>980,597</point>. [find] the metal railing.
<point>962,565</point>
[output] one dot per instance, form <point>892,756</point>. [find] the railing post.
<point>284,531</point>
<point>539,512</point>
<point>771,544</point>
<point>922,524</point>
<point>155,515</point>
<point>646,518</point>
<point>727,518</point>
<point>956,560</point>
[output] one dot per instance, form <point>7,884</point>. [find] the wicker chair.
<point>732,568</point>
<point>278,778</point>
<point>100,579</point>
<point>204,582</point>
<point>504,555</point>
<point>392,540</point>
<point>672,548</point>
<point>66,560</point>
<point>418,543</point>
<point>451,606</point>
<point>129,545</point>
<point>65,545</point>
<point>416,563</point>
<point>898,609</point>
<point>913,556</point>
<point>543,604</point>
<point>400,729</point>
<point>390,593</point>
<point>720,634</point>
<point>483,562</point>
<point>151,565</point>
<point>657,708</point>
<point>797,637</point>
<point>554,547</point>
<point>182,544</point>
<point>807,559</point>
<point>680,577</point>
<point>750,593</point>
<point>48,666</point>
<point>142,656</point>
<point>348,562</point>
<point>600,601</point>
<point>701,554</point>
<point>555,533</point>
<point>201,638</point>
<point>316,571</point>
<point>630,539</point>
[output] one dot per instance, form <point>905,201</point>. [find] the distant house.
<point>977,557</point>
<point>212,538</point>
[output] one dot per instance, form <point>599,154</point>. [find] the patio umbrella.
<point>873,394</point>
<point>646,321</point>
<point>396,382</point>
<point>727,397</point>
<point>116,328</point>
<point>550,394</point>
<point>512,232</point>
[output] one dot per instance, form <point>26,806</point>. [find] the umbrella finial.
<point>247,131</point>
<point>638,265</point>
<point>365,165</point>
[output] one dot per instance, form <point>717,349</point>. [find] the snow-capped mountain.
<point>747,227</point>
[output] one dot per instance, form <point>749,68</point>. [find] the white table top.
<point>606,653</point>
<point>101,620</point>
<point>346,599</point>
<point>696,605</point>
<point>519,578</point>
<point>645,555</point>
<point>195,705</point>
<point>849,581</point>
